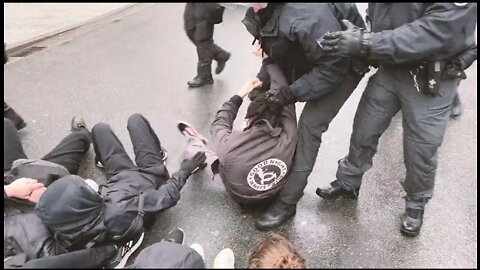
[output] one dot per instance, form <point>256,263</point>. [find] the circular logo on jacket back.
<point>266,174</point>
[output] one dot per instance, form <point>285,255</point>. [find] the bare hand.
<point>249,86</point>
<point>22,188</point>
<point>36,194</point>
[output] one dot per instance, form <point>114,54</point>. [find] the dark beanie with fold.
<point>69,205</point>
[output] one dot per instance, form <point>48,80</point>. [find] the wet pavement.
<point>24,21</point>
<point>142,62</point>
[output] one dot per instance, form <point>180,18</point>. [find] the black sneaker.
<point>77,123</point>
<point>124,252</point>
<point>98,163</point>
<point>175,236</point>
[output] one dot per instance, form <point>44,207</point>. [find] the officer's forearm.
<point>439,34</point>
<point>468,57</point>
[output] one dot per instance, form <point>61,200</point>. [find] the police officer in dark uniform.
<point>287,33</point>
<point>413,45</point>
<point>8,112</point>
<point>200,20</point>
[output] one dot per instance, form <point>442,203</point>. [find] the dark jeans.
<point>68,153</point>
<point>424,122</point>
<point>111,153</point>
<point>92,258</point>
<point>314,121</point>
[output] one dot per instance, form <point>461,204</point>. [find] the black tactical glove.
<point>466,59</point>
<point>281,97</point>
<point>197,162</point>
<point>454,70</point>
<point>352,42</point>
<point>255,93</point>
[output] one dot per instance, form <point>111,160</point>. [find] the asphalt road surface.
<point>142,62</point>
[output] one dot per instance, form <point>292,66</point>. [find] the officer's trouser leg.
<point>10,113</point>
<point>207,50</point>
<point>314,121</point>
<point>379,103</point>
<point>425,119</point>
<point>110,151</point>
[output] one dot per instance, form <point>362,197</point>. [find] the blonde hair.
<point>274,251</point>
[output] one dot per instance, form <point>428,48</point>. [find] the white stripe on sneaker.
<point>129,253</point>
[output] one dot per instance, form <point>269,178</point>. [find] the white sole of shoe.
<point>124,260</point>
<point>225,259</point>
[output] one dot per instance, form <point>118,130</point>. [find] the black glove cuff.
<point>288,93</point>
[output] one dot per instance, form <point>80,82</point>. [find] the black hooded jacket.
<point>288,34</point>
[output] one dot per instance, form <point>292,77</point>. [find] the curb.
<point>19,46</point>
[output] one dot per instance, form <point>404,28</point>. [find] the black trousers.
<point>112,154</point>
<point>68,153</point>
<point>314,121</point>
<point>94,258</point>
<point>199,30</point>
<point>424,120</point>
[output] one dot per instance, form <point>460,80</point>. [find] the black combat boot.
<point>335,191</point>
<point>412,222</point>
<point>9,113</point>
<point>200,81</point>
<point>204,75</point>
<point>222,59</point>
<point>456,110</point>
<point>276,215</point>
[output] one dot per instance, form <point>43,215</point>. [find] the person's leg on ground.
<point>314,121</point>
<point>95,257</point>
<point>12,146</point>
<point>71,149</point>
<point>378,105</point>
<point>109,150</point>
<point>425,120</point>
<point>146,145</point>
<point>195,143</point>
